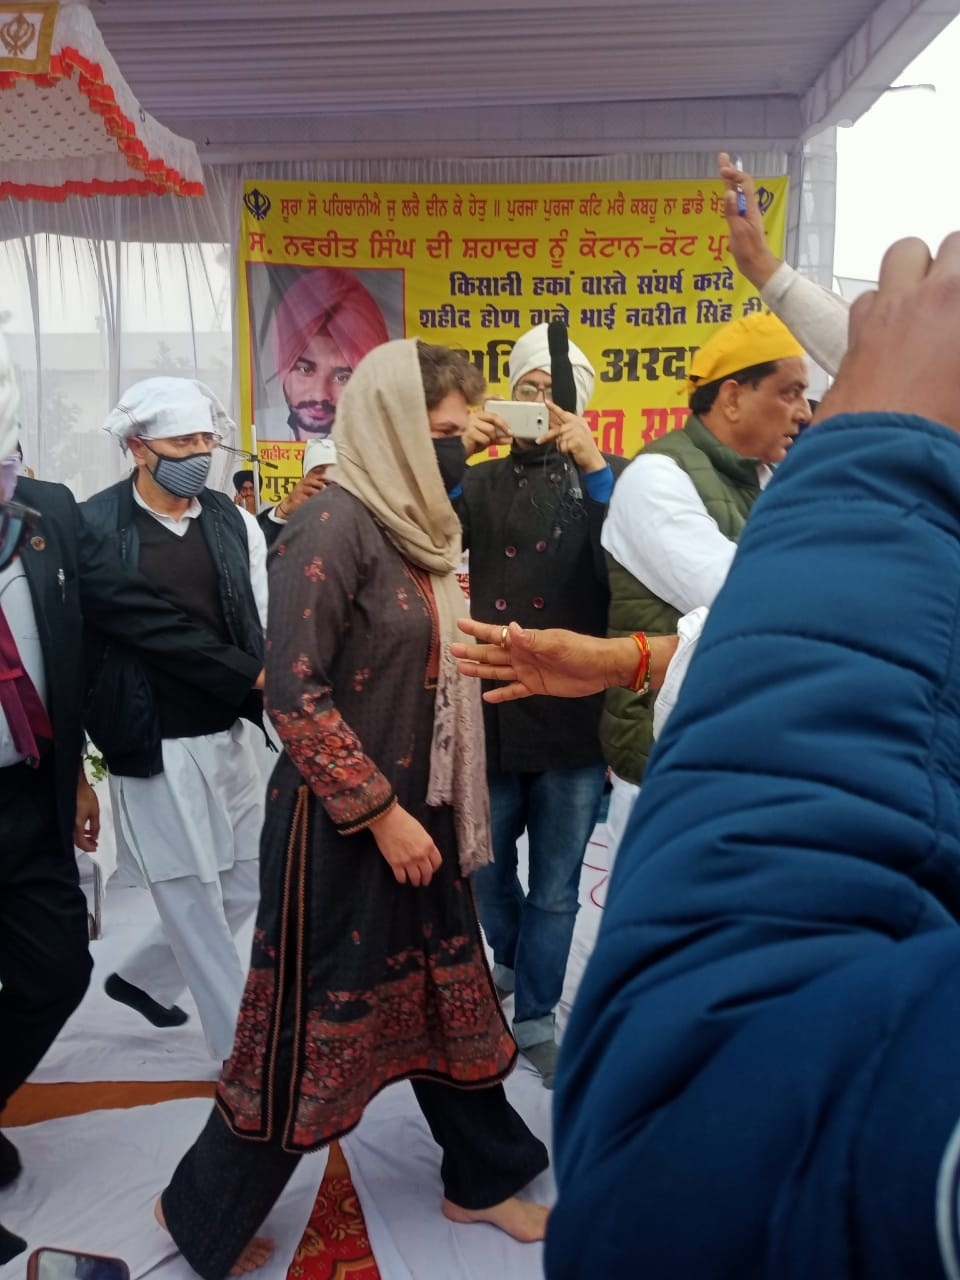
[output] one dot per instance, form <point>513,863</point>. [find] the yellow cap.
<point>756,339</point>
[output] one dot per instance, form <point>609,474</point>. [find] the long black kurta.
<point>356,979</point>
<point>536,559</point>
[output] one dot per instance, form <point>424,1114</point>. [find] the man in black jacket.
<point>55,573</point>
<point>185,780</point>
<point>531,524</point>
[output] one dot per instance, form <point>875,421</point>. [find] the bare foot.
<point>524,1221</point>
<point>254,1255</point>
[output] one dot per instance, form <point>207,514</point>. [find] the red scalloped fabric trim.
<point>158,177</point>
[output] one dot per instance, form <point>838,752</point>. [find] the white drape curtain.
<point>97,293</point>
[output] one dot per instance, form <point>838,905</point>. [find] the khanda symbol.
<point>17,35</point>
<point>257,204</point>
<point>765,198</point>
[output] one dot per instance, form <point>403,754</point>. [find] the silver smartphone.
<point>526,421</point>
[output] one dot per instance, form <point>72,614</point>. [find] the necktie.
<point>25,712</point>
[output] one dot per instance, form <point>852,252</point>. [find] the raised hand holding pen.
<point>748,239</point>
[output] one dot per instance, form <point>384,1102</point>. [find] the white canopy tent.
<point>106,289</point>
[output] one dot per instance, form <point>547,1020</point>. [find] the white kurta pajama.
<point>192,835</point>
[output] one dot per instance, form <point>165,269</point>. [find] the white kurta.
<point>659,530</point>
<point>192,835</point>
<point>200,816</point>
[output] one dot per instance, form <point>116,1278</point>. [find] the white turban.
<point>158,408</point>
<point>532,351</point>
<point>9,424</point>
<point>319,453</point>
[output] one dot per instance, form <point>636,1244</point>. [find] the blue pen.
<point>741,198</point>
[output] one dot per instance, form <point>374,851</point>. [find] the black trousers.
<point>44,952</point>
<point>225,1186</point>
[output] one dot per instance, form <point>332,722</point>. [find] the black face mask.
<point>452,461</point>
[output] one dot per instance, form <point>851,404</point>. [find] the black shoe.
<point>159,1015</point>
<point>10,1165</point>
<point>10,1245</point>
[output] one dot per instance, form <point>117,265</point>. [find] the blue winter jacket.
<point>761,1073</point>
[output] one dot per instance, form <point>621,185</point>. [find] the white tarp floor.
<point>89,1183</point>
<point>90,1180</point>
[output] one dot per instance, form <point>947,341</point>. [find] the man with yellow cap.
<point>677,512</point>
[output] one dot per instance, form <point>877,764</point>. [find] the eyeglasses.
<point>16,522</point>
<point>531,391</point>
<point>199,440</point>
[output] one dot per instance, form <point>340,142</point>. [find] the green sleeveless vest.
<point>728,486</point>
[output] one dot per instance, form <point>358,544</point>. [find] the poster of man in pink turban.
<point>312,327</point>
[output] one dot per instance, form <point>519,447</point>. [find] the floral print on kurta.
<point>355,980</point>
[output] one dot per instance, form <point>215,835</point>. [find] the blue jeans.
<point>531,935</point>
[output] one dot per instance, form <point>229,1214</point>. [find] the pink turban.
<point>329,300</point>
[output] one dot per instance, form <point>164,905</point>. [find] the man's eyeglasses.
<point>530,391</point>
<point>198,440</point>
<point>16,524</point>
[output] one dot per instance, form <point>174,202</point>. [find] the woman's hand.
<point>407,846</point>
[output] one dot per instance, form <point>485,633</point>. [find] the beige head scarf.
<point>385,458</point>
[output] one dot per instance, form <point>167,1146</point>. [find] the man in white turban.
<point>530,375</point>
<point>531,524</point>
<point>185,781</point>
<point>52,565</point>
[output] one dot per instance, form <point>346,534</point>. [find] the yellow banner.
<point>640,272</point>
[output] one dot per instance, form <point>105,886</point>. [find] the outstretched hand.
<point>561,664</point>
<point>748,238</point>
<point>902,356</point>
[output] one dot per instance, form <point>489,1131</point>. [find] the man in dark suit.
<point>56,574</point>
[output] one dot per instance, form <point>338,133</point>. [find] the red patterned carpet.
<point>335,1244</point>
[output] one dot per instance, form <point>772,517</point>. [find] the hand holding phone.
<point>526,421</point>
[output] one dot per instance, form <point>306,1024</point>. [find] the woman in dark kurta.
<point>367,961</point>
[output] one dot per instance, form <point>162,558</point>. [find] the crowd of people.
<point>756,1079</point>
